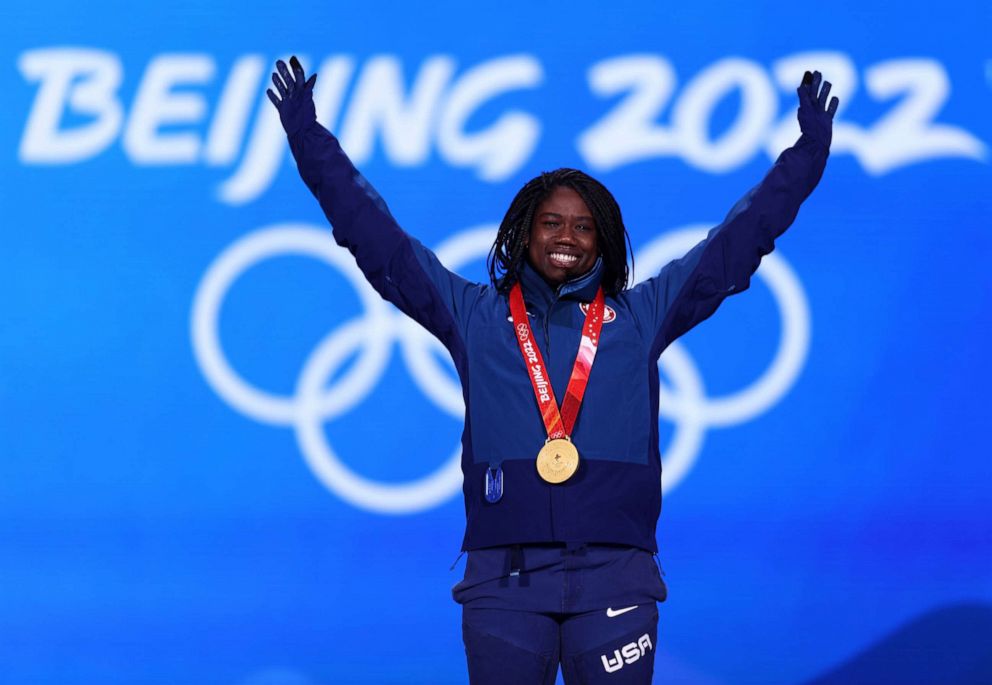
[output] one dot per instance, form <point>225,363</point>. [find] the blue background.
<point>150,532</point>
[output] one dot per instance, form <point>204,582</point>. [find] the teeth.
<point>568,259</point>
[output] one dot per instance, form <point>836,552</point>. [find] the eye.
<point>551,224</point>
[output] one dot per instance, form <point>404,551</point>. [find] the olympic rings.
<point>372,334</point>
<point>282,239</point>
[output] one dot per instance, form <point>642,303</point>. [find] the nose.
<point>567,237</point>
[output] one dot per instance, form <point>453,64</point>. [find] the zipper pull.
<point>493,487</point>
<point>658,562</point>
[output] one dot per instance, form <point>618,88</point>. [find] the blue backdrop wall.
<point>223,460</point>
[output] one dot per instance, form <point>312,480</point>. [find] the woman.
<point>561,500</point>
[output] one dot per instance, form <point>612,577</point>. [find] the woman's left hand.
<point>815,117</point>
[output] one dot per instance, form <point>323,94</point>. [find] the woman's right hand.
<point>296,110</point>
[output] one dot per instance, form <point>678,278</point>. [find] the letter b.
<point>84,80</point>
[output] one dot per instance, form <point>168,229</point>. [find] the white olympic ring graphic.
<point>371,335</point>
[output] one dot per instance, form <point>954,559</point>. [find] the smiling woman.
<point>561,505</point>
<point>563,242</point>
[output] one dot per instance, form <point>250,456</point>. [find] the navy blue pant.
<point>615,646</point>
<point>590,608</point>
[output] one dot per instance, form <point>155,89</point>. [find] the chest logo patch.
<point>609,314</point>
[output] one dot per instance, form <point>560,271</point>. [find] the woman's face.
<point>563,240</point>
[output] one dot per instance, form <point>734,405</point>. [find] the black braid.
<point>509,251</point>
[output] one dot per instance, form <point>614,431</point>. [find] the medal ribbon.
<point>559,424</point>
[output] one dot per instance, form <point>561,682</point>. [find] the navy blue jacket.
<point>615,497</point>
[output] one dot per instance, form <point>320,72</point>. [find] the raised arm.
<point>402,270</point>
<point>689,289</point>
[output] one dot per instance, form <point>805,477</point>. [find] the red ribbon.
<point>559,424</point>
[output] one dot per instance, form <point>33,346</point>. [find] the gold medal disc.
<point>557,460</point>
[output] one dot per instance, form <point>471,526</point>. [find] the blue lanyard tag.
<point>494,484</point>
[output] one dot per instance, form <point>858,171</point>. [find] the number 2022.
<point>904,135</point>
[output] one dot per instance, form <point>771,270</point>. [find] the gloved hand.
<point>815,119</point>
<point>296,110</point>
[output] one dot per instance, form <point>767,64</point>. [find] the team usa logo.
<point>628,654</point>
<point>608,315</point>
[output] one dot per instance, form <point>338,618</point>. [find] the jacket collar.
<point>582,288</point>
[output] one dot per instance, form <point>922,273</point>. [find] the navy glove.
<point>296,110</point>
<point>815,118</point>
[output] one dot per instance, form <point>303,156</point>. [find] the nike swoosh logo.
<point>611,612</point>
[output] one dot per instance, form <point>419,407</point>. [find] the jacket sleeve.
<point>400,269</point>
<point>688,290</point>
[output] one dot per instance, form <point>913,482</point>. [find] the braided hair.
<point>509,251</point>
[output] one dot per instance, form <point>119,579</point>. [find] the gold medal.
<point>558,460</point>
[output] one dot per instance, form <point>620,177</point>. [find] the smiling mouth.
<point>562,260</point>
